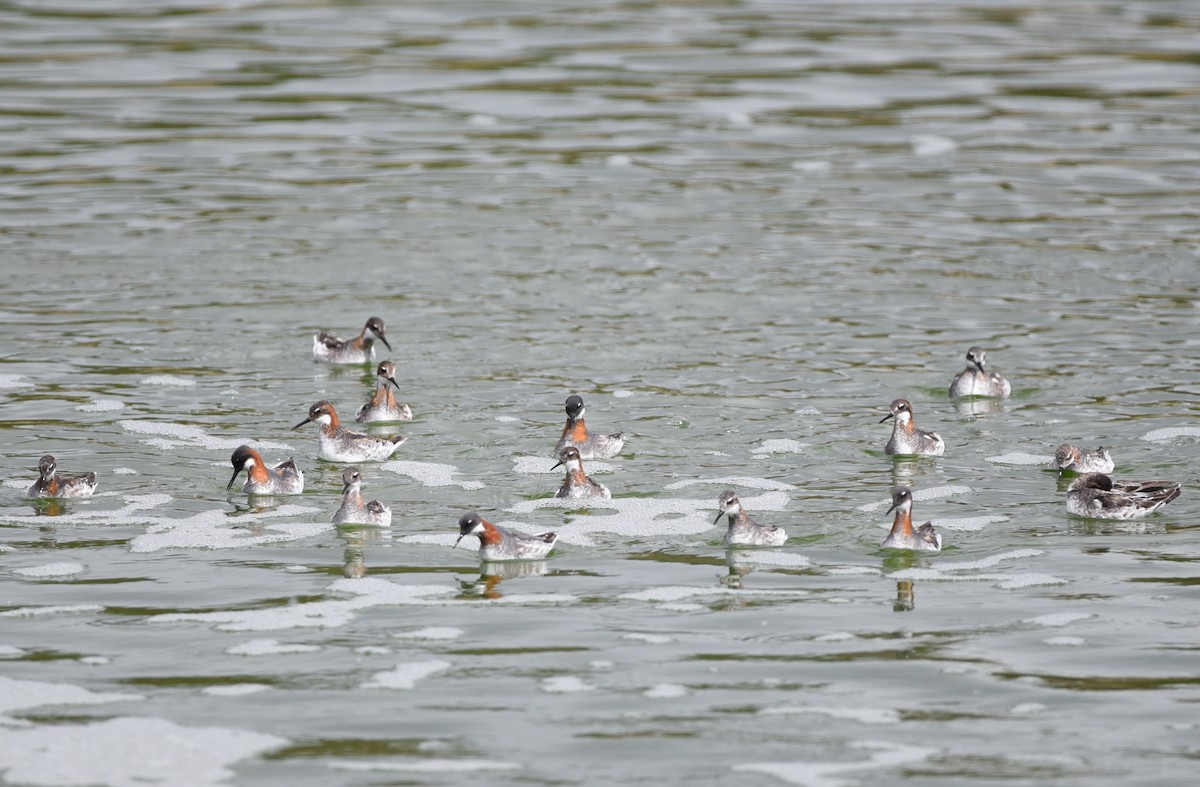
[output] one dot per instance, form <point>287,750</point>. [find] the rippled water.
<point>738,230</point>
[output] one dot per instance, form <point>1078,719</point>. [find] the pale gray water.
<point>738,230</point>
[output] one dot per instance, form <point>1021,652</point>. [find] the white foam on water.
<point>851,570</point>
<point>18,695</point>
<point>622,394</point>
<point>297,569</point>
<point>779,447</point>
<point>763,557</point>
<point>168,435</point>
<point>835,636</point>
<point>424,766</point>
<point>124,471</point>
<point>372,650</point>
<point>95,661</point>
<point>989,561</point>
<point>930,493</point>
<point>50,570</point>
<point>1170,433</point>
<point>6,548</point>
<point>682,607</point>
<point>679,592</point>
<point>18,483</point>
<point>619,160</point>
<point>429,473</point>
<point>101,406</point>
<point>128,751</point>
<point>1058,619</point>
<point>14,381</point>
<point>828,774</point>
<point>507,419</point>
<point>968,524</point>
<point>1065,642</point>
<point>10,652</point>
<point>405,676</point>
<point>269,647</point>
<point>531,465</point>
<point>1027,709</point>
<point>812,167</point>
<point>735,482</point>
<point>932,145</point>
<point>217,530</point>
<point>431,633</point>
<point>565,684</point>
<point>235,689</point>
<point>1018,458</point>
<point>861,715</point>
<point>168,380</point>
<point>532,598</point>
<point>327,613</point>
<point>59,609</point>
<point>645,517</point>
<point>663,691</point>
<point>653,639</point>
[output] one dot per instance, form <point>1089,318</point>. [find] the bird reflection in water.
<point>491,574</point>
<point>905,596</point>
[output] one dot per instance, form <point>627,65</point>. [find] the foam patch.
<point>269,647</point>
<point>1171,433</point>
<point>60,609</point>
<point>18,695</point>
<point>217,530</point>
<point>860,715</point>
<point>931,493</point>
<point>734,482</point>
<point>430,474</point>
<point>168,435</point>
<point>405,676</point>
<point>101,406</point>
<point>50,570</point>
<point>14,381</point>
<point>538,465</point>
<point>127,751</point>
<point>653,639</point>
<point>645,517</point>
<point>235,689</point>
<point>1017,458</point>
<point>779,447</point>
<point>828,774</point>
<point>432,633</point>
<point>664,691</point>
<point>169,380</point>
<point>565,684</point>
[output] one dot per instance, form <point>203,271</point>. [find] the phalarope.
<point>498,543</point>
<point>1097,496</point>
<point>353,510</point>
<point>338,444</point>
<point>282,479</point>
<point>590,444</point>
<point>360,349</point>
<point>906,437</point>
<point>923,539</point>
<point>50,484</point>
<point>383,405</point>
<point>1072,458</point>
<point>577,483</point>
<point>742,529</point>
<point>977,381</point>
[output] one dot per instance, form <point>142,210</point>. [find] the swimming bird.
<point>1097,496</point>
<point>578,484</point>
<point>360,349</point>
<point>50,484</point>
<point>977,381</point>
<point>353,510</point>
<point>383,405</point>
<point>906,437</point>
<point>590,444</point>
<point>744,531</point>
<point>1080,460</point>
<point>282,479</point>
<point>498,543</point>
<point>338,444</point>
<point>923,539</point>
